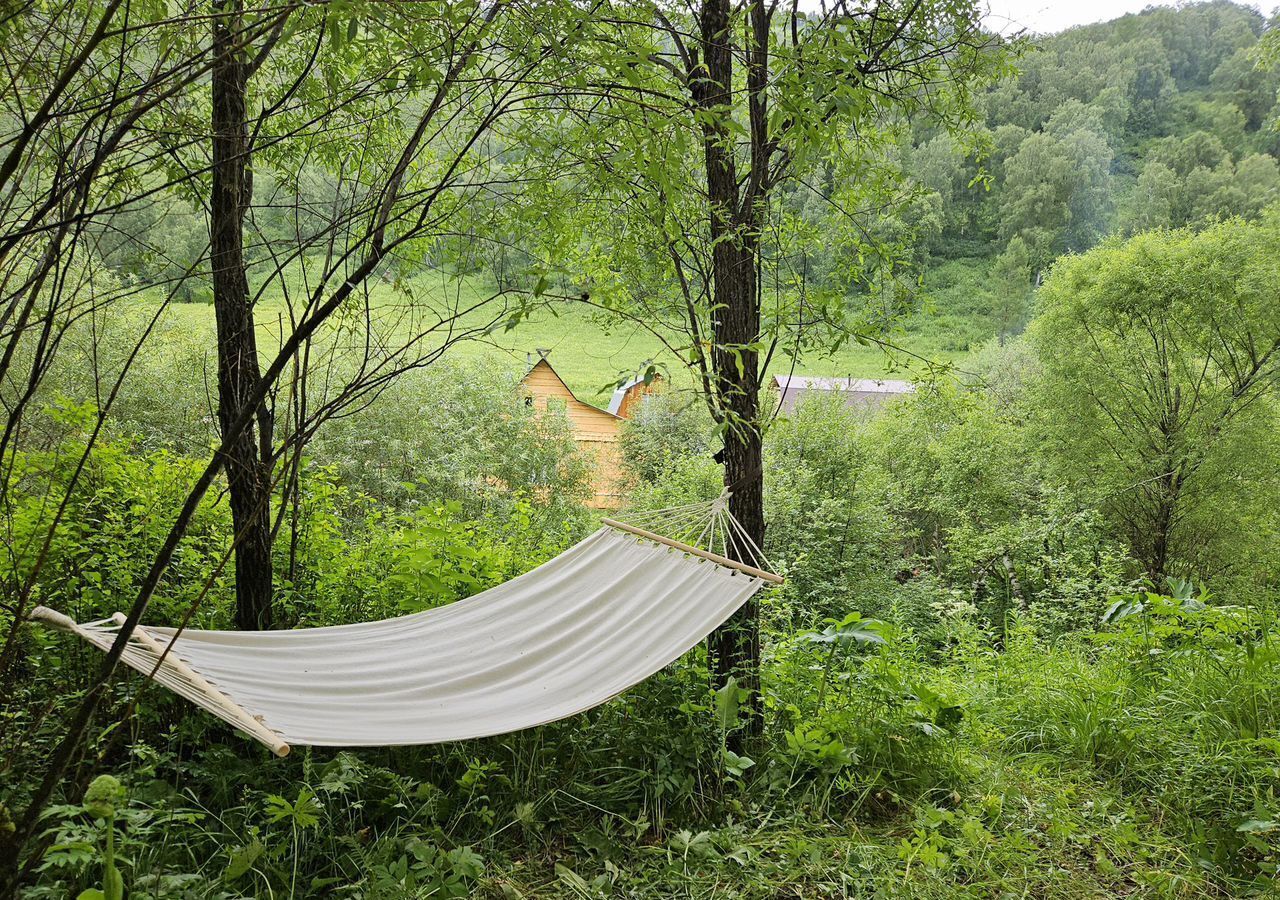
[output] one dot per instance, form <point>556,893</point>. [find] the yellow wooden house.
<point>597,431</point>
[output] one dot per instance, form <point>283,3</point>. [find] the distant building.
<point>625,399</point>
<point>791,389</point>
<point>596,431</point>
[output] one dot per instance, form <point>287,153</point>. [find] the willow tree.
<point>1161,360</point>
<point>700,133</point>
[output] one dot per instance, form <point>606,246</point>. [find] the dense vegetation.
<point>1027,643</point>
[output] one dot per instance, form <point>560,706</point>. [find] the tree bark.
<point>247,458</point>
<point>734,648</point>
<point>1167,490</point>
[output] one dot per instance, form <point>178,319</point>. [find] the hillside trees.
<point>1161,358</point>
<point>1137,83</point>
<point>1248,86</point>
<point>1011,275</point>
<point>1057,191</point>
<point>1081,143</point>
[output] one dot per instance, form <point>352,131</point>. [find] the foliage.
<point>1160,358</point>
<point>665,426</point>
<point>1027,643</point>
<point>829,530</point>
<point>105,793</point>
<point>1057,192</point>
<point>456,432</point>
<point>1064,770</point>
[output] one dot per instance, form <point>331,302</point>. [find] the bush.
<point>456,433</point>
<point>666,426</point>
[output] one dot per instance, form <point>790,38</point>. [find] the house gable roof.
<point>543,364</point>
<point>620,395</point>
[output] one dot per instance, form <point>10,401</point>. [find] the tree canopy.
<point>1160,356</point>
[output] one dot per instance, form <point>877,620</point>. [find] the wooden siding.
<point>597,432</point>
<point>635,393</point>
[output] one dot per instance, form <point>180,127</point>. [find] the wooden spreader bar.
<point>245,722</point>
<point>695,551</point>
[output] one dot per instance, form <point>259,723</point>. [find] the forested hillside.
<point>1154,120</point>
<point>307,591</point>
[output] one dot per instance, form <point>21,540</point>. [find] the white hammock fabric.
<point>563,638</point>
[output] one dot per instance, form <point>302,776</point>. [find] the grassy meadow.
<point>589,350</point>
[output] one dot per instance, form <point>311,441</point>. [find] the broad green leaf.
<point>1258,826</point>
<point>736,765</point>
<point>728,702</point>
<point>242,860</point>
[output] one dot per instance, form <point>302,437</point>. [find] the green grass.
<point>589,352</point>
<point>581,809</point>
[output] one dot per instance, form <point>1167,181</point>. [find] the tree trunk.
<point>1166,505</point>
<point>1015,586</point>
<point>735,647</point>
<point>247,461</point>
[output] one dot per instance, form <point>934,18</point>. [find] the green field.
<point>590,352</point>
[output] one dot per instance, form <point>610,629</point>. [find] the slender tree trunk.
<point>1166,506</point>
<point>247,463</point>
<point>735,647</point>
<point>1015,586</point>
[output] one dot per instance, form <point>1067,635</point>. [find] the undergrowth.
<point>1139,762</point>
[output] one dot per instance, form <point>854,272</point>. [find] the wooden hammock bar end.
<point>695,551</point>
<point>245,722</point>
<point>52,617</point>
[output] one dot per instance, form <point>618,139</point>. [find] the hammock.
<point>559,640</point>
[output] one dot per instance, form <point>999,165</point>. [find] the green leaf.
<point>573,879</point>
<point>242,860</point>
<point>303,813</point>
<point>1258,826</point>
<point>728,701</point>
<point>112,883</point>
<point>466,862</point>
<point>1123,608</point>
<point>736,765</point>
<point>852,629</point>
<point>278,808</point>
<point>307,809</point>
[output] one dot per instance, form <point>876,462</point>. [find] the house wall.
<point>596,432</point>
<point>609,478</point>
